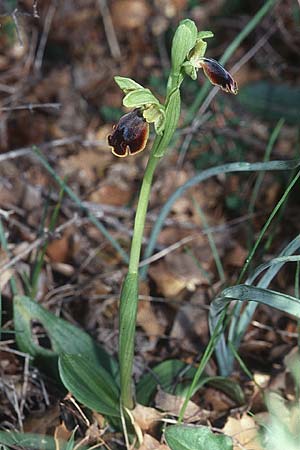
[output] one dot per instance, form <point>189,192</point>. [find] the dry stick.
<point>15,19</point>
<point>185,240</point>
<point>32,106</point>
<point>93,219</point>
<point>41,49</point>
<point>35,9</point>
<point>37,243</point>
<point>109,30</point>
<point>25,383</point>
<point>27,151</point>
<point>198,119</point>
<point>7,89</point>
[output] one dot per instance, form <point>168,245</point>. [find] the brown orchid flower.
<point>130,135</point>
<point>218,76</point>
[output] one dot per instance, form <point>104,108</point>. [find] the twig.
<point>218,228</point>
<point>32,106</point>
<point>109,30</point>
<point>93,219</point>
<point>5,214</point>
<point>37,243</point>
<point>15,19</point>
<point>41,49</point>
<point>25,384</point>
<point>16,352</point>
<point>7,89</point>
<point>168,249</point>
<point>35,9</point>
<point>25,151</point>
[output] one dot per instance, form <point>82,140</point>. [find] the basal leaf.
<point>64,336</point>
<point>30,441</point>
<point>183,437</point>
<point>165,375</point>
<point>175,377</point>
<point>90,383</point>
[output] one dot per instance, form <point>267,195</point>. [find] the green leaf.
<point>184,40</point>
<point>165,375</point>
<point>246,293</point>
<point>64,336</point>
<point>127,84</point>
<point>172,117</point>
<point>183,437</point>
<point>243,292</point>
<point>229,387</point>
<point>175,376</point>
<point>71,441</point>
<point>128,312</point>
<point>139,98</point>
<point>90,383</point>
<point>30,441</point>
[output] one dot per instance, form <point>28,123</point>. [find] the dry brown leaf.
<point>110,194</point>
<point>244,432</point>
<point>237,256</point>
<point>190,323</point>
<point>59,249</point>
<point>167,283</point>
<point>130,14</point>
<point>5,277</point>
<point>61,433</point>
<point>146,418</point>
<point>177,272</point>
<point>218,401</point>
<point>88,164</point>
<point>149,443</point>
<point>172,404</point>
<point>41,423</point>
<point>147,319</point>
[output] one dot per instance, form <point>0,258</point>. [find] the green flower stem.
<point>129,294</point>
<point>141,211</point>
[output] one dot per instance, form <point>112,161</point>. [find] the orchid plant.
<point>130,136</point>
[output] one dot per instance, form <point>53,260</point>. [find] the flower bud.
<point>130,135</point>
<point>218,76</point>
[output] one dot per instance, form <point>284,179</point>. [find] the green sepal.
<point>205,35</point>
<point>156,114</point>
<point>184,40</point>
<point>192,65</point>
<point>190,70</point>
<point>139,98</point>
<point>172,117</point>
<point>127,84</point>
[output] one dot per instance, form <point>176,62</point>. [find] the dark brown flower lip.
<point>130,135</point>
<point>218,76</point>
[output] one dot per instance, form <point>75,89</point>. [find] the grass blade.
<point>242,293</point>
<point>260,177</point>
<point>226,168</point>
<point>93,219</point>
